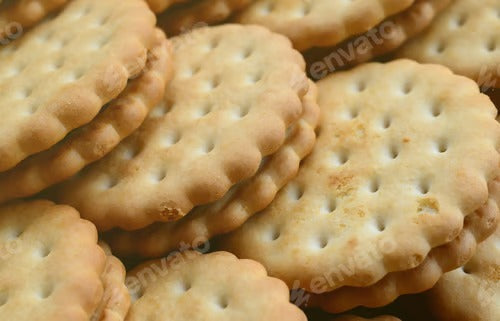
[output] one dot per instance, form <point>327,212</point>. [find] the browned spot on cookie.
<point>356,211</point>
<point>341,183</point>
<point>428,205</point>
<point>406,140</point>
<point>170,211</point>
<point>355,132</point>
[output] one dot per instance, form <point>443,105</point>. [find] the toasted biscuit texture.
<point>466,39</point>
<point>473,291</point>
<point>88,52</point>
<point>477,228</point>
<point>239,203</point>
<point>87,144</point>
<point>51,264</point>
<point>393,157</point>
<point>320,23</point>
<point>211,131</point>
<point>216,286</point>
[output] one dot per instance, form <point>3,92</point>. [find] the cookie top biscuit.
<point>88,52</point>
<point>397,154</point>
<point>235,91</point>
<point>477,227</point>
<point>320,23</point>
<point>216,286</point>
<point>466,39</point>
<point>50,263</point>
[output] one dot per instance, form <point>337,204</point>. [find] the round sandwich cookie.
<point>402,149</point>
<point>240,202</point>
<point>88,52</point>
<point>320,23</point>
<point>382,39</point>
<point>477,227</point>
<point>52,267</point>
<point>115,122</point>
<point>472,292</point>
<point>216,286</point>
<point>235,92</point>
<point>464,38</point>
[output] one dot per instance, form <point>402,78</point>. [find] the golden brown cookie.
<point>52,266</point>
<point>380,40</point>
<point>466,39</point>
<point>210,132</point>
<point>240,203</point>
<point>320,23</point>
<point>396,155</point>
<point>61,73</point>
<point>93,141</point>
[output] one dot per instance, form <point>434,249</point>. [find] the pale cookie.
<point>320,23</point>
<point>384,38</point>
<point>238,205</point>
<point>465,38</point>
<point>356,318</point>
<point>236,89</point>
<point>477,228</point>
<point>20,14</point>
<point>160,5</point>
<point>199,13</point>
<point>60,74</point>
<point>471,293</point>
<point>216,286</point>
<point>397,154</point>
<point>51,265</point>
<point>87,144</point>
<point>116,299</point>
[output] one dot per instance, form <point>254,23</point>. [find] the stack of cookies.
<point>248,160</point>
